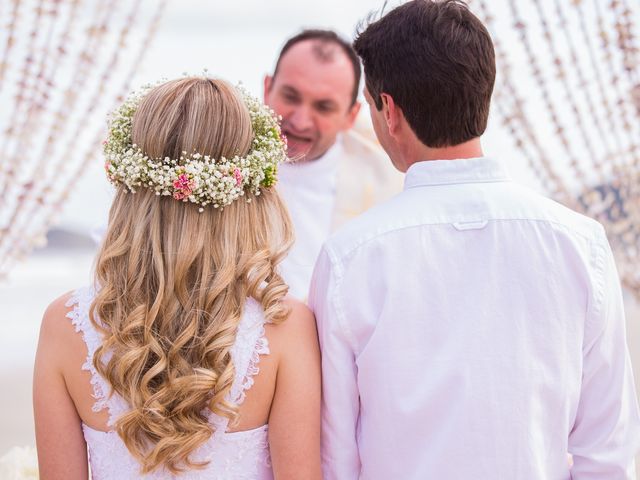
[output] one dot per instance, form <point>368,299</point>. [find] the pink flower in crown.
<point>183,186</point>
<point>238,176</point>
<point>179,195</point>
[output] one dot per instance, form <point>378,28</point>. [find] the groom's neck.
<point>421,153</point>
<point>469,149</point>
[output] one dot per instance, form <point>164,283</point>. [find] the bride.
<point>184,359</point>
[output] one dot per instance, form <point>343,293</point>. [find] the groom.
<point>470,328</point>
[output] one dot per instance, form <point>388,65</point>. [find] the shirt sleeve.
<point>340,398</point>
<point>606,432</point>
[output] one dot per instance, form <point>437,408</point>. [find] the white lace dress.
<point>232,456</point>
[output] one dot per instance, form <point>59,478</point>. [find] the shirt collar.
<point>446,172</point>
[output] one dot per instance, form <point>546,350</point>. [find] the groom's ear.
<point>268,80</point>
<point>392,114</point>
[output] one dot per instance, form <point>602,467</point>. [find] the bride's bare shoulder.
<point>57,333</point>
<point>298,310</point>
<point>297,330</point>
<point>56,312</point>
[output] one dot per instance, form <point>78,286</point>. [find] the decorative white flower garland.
<point>194,177</point>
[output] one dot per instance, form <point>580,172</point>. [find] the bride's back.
<point>187,304</point>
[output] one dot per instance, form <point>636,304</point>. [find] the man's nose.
<point>302,118</point>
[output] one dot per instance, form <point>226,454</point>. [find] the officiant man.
<point>337,172</point>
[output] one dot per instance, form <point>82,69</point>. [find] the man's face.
<point>313,96</point>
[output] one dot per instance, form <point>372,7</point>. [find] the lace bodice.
<point>232,456</point>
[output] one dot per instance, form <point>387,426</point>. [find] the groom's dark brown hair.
<point>436,60</point>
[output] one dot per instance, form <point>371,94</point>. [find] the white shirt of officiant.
<point>309,191</point>
<point>472,329</point>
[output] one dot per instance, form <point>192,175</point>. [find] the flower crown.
<point>194,177</point>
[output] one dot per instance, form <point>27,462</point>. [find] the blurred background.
<point>564,119</point>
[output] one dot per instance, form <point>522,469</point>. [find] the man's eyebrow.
<point>327,103</point>
<point>290,89</point>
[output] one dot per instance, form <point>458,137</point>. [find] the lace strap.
<point>249,345</point>
<point>81,302</point>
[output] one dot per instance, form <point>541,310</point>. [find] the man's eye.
<point>325,108</point>
<point>290,98</point>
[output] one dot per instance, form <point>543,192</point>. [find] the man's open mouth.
<point>292,137</point>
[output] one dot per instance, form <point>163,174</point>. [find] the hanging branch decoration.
<point>562,76</point>
<point>516,120</point>
<point>630,52</point>
<point>13,187</point>
<point>28,104</point>
<point>11,40</point>
<point>66,87</point>
<point>538,75</point>
<point>21,249</point>
<point>28,61</point>
<point>583,83</point>
<point>50,59</point>
<point>34,194</point>
<point>593,107</point>
<point>621,109</point>
<point>46,188</point>
<point>619,206</point>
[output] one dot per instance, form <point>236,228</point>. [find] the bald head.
<point>318,68</point>
<point>313,89</point>
<point>326,45</point>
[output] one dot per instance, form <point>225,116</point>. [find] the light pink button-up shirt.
<point>472,329</point>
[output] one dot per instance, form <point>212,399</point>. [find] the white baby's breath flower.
<point>196,178</point>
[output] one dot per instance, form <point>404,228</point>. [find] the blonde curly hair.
<point>173,281</point>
